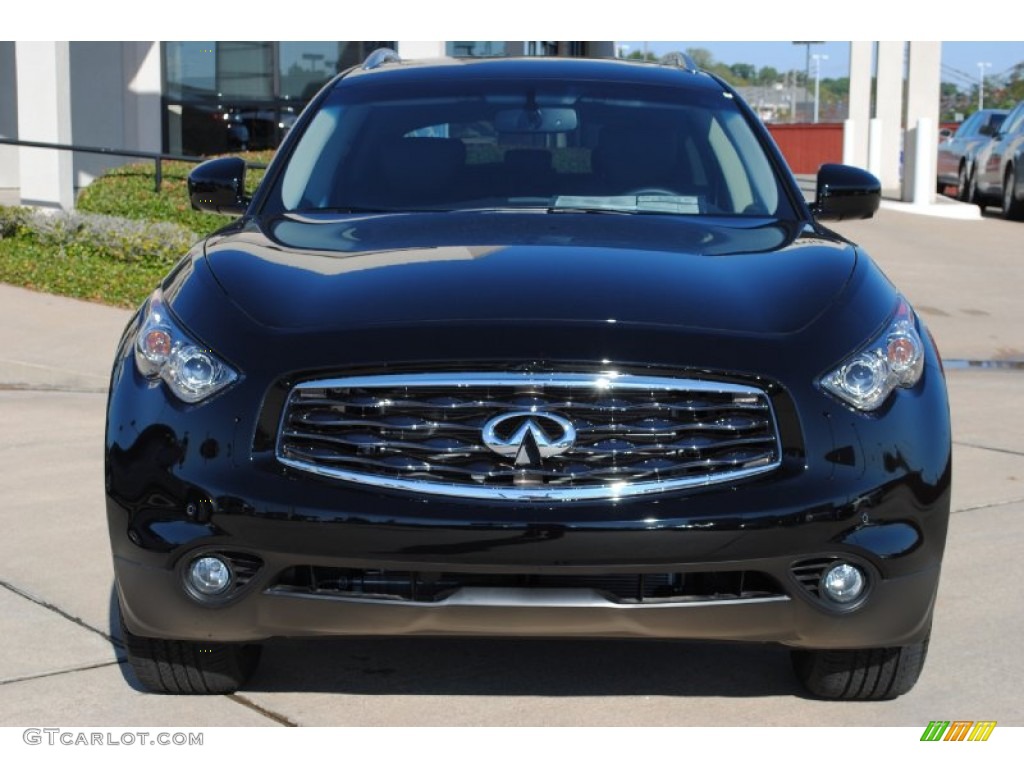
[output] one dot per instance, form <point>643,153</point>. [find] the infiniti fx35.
<point>538,347</point>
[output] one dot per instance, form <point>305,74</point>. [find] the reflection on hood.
<point>746,274</point>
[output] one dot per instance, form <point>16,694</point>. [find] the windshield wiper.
<point>538,209</point>
<point>581,209</point>
<point>358,209</point>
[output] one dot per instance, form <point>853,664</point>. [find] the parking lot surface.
<point>62,661</point>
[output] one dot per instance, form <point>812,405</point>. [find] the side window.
<point>440,131</point>
<point>735,177</point>
<point>970,126</point>
<point>748,176</point>
<point>301,186</point>
<point>479,138</point>
<point>1015,121</point>
<point>485,145</point>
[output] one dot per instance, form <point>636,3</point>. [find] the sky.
<point>959,59</point>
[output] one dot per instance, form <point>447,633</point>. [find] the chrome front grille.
<point>528,436</point>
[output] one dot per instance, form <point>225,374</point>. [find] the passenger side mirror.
<point>218,186</point>
<point>846,192</point>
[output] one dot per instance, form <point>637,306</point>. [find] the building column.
<point>861,54</point>
<point>8,116</point>
<point>44,114</point>
<point>889,110</point>
<point>143,84</point>
<point>923,94</point>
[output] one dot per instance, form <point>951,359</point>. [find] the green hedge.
<point>109,259</point>
<point>119,242</point>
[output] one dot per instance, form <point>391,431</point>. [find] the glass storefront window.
<point>350,54</point>
<point>541,48</point>
<point>245,70</point>
<point>190,70</point>
<point>478,48</point>
<point>304,67</point>
<point>230,96</point>
<point>237,95</point>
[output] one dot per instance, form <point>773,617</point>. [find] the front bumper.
<point>898,612</point>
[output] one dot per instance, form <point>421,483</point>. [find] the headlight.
<point>163,350</point>
<point>894,359</point>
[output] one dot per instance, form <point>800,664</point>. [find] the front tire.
<point>963,183</point>
<point>1013,208</point>
<point>973,196</point>
<point>870,674</point>
<point>183,666</point>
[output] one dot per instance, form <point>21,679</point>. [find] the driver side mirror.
<point>846,192</point>
<point>218,186</point>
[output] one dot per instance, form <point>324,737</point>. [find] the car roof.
<point>615,70</point>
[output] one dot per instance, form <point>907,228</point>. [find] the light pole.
<point>981,87</point>
<point>817,80</point>
<point>807,65</point>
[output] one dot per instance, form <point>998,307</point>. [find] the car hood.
<point>742,275</point>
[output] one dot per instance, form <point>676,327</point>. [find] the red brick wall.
<point>806,146</point>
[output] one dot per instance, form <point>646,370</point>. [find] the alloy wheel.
<point>963,184</point>
<point>1012,207</point>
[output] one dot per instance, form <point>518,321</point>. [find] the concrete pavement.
<point>61,661</point>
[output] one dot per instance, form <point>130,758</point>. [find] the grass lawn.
<point>124,267</point>
<point>78,272</point>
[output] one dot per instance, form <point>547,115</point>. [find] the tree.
<point>641,56</point>
<point>1015,84</point>
<point>701,57</point>
<point>768,76</point>
<point>743,71</point>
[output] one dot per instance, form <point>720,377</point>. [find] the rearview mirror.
<point>846,192</point>
<point>536,120</point>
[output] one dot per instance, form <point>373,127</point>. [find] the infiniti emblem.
<point>529,436</point>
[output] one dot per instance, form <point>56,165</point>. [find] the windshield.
<point>520,144</point>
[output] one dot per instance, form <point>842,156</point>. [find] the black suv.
<point>528,348</point>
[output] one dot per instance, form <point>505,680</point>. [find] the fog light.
<point>209,576</point>
<point>843,583</point>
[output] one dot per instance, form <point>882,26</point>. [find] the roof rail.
<point>380,57</point>
<point>681,60</point>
